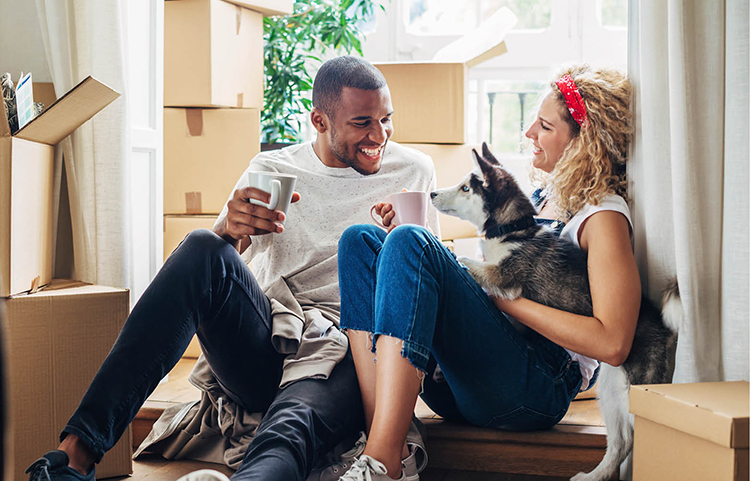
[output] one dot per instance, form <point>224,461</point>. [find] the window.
<point>504,91</point>
<point>449,17</point>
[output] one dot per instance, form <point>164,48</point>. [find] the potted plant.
<point>292,44</point>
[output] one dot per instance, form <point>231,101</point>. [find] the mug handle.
<point>275,189</point>
<point>374,219</point>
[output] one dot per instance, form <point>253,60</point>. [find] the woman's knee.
<point>358,236</point>
<point>407,238</point>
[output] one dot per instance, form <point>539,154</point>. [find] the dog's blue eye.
<point>465,188</point>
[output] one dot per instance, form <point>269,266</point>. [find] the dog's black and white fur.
<point>529,260</point>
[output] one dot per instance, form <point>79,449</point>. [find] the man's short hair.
<point>340,72</point>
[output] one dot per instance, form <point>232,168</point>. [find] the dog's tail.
<point>671,310</point>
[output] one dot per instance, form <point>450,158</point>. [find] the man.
<point>206,287</point>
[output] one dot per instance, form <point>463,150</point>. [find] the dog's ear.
<point>488,169</point>
<point>488,155</point>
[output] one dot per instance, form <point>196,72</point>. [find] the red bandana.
<point>573,99</point>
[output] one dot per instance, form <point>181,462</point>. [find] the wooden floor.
<point>457,452</point>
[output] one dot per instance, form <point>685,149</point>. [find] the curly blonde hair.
<point>593,163</point>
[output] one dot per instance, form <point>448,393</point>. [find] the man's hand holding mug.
<point>259,208</point>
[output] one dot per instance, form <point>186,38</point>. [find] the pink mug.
<point>408,207</point>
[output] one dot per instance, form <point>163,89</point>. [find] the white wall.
<point>21,47</point>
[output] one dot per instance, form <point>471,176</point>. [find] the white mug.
<point>279,186</point>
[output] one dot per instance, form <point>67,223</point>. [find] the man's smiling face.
<point>361,127</point>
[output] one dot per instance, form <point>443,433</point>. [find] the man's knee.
<point>203,242</point>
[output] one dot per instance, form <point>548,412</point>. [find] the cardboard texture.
<point>26,168</point>
<point>205,152</point>
<point>452,163</point>
<point>268,8</point>
<point>691,431</point>
<point>213,55</point>
<point>44,92</point>
<point>430,98</point>
<point>176,227</point>
<point>57,339</point>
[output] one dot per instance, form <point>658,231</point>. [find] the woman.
<point>425,309</point>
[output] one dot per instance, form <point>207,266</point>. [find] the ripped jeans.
<point>409,286</point>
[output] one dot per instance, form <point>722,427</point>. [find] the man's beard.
<point>339,151</point>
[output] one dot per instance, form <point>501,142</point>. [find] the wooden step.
<point>578,443</point>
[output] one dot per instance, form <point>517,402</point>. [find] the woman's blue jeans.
<point>206,288</point>
<point>407,285</point>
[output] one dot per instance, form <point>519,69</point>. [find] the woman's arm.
<point>615,294</point>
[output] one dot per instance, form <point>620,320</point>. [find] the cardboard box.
<point>213,55</point>
<point>691,431</point>
<point>57,339</point>
<point>430,99</point>
<point>205,153</point>
<point>176,227</point>
<point>268,8</point>
<point>26,167</point>
<point>452,163</point>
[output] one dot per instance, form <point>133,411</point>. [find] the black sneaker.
<point>53,466</point>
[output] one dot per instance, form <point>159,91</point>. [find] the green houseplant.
<point>294,41</point>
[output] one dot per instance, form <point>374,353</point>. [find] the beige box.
<point>691,431</point>
<point>452,163</point>
<point>205,153</point>
<point>213,55</point>
<point>57,339</point>
<point>176,227</point>
<point>430,99</point>
<point>268,8</point>
<point>26,167</point>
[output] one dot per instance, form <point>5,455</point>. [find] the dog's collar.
<point>501,230</point>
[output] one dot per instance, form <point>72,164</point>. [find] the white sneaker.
<point>204,475</point>
<point>410,465</point>
<point>369,469</point>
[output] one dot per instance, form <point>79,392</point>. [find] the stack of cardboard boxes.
<point>213,93</point>
<point>431,107</point>
<point>58,332</point>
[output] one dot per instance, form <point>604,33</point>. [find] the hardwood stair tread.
<point>576,444</point>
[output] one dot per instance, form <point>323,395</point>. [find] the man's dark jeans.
<point>206,288</point>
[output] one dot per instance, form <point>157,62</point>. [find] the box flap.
<point>268,8</point>
<point>67,114</point>
<point>482,43</point>
<point>715,411</point>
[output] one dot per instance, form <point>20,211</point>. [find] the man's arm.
<point>244,219</point>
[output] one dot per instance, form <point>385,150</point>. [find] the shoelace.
<point>39,470</point>
<point>363,469</point>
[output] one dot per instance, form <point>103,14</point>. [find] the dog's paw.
<point>468,261</point>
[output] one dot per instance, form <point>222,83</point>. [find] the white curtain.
<point>81,38</point>
<point>689,173</point>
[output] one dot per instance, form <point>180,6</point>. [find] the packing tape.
<point>193,203</point>
<point>240,100</point>
<point>239,18</point>
<point>194,120</point>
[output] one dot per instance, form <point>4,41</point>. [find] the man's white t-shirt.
<point>332,199</point>
<point>570,232</point>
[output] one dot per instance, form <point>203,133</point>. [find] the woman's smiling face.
<point>549,134</point>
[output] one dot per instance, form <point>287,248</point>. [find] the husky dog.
<point>529,260</point>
